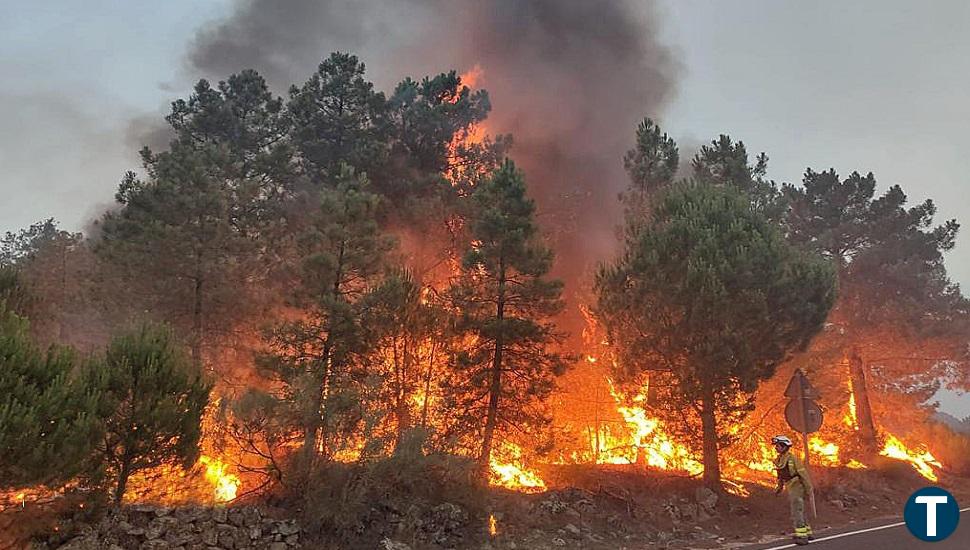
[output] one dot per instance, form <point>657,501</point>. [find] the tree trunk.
<point>860,389</point>
<point>311,433</point>
<point>495,387</point>
<point>712,467</point>
<point>123,474</point>
<point>493,397</point>
<point>197,322</point>
<point>427,387</point>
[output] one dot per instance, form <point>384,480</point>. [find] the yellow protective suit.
<point>794,478</point>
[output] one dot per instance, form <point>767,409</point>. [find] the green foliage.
<point>709,298</point>
<point>652,163</point>
<point>426,115</point>
<point>13,291</point>
<point>321,358</point>
<point>505,305</point>
<point>152,400</point>
<point>899,319</point>
<point>339,501</point>
<point>725,163</point>
<point>338,119</point>
<point>55,278</point>
<point>193,237</point>
<point>48,420</point>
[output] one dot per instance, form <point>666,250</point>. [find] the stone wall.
<point>188,528</point>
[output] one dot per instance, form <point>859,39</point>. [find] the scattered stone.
<point>558,542</point>
<point>220,514</point>
<point>573,530</point>
<point>388,544</point>
<point>706,498</point>
<point>145,527</point>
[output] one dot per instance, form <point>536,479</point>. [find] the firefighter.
<point>793,476</point>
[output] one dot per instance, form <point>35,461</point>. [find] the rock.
<point>706,498</point>
<point>236,517</point>
<point>388,544</point>
<point>210,537</point>
<point>558,542</point>
<point>287,528</point>
<point>220,515</point>
<point>189,514</point>
<point>553,505</point>
<point>573,530</point>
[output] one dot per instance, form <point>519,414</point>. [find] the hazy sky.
<point>870,86</point>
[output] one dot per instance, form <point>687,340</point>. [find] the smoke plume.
<point>568,78</point>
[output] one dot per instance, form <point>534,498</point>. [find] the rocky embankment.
<point>188,528</point>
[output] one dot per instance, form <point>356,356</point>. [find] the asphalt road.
<point>891,535</point>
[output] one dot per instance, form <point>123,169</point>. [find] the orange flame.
<point>492,525</point>
<point>465,138</point>
<point>921,459</point>
<point>648,441</point>
<point>850,419</point>
<point>508,470</point>
<point>225,485</point>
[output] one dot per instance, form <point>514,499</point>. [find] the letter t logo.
<point>931,502</point>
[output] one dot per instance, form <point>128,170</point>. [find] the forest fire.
<point>225,485</point>
<point>383,308</point>
<point>465,138</point>
<point>921,459</point>
<point>647,441</point>
<point>509,471</point>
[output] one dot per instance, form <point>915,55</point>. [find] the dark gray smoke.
<point>568,78</point>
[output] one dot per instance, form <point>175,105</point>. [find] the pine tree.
<point>725,162</point>
<point>56,270</point>
<point>321,357</point>
<point>411,347</point>
<point>708,298</point>
<point>652,166</point>
<point>899,325</point>
<point>192,239</point>
<point>48,415</point>
<point>152,400</point>
<point>338,120</point>
<point>505,306</point>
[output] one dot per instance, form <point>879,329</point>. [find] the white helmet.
<point>783,439</point>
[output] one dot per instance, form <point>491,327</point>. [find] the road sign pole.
<point>808,460</point>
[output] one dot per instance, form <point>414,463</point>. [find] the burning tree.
<point>505,304</point>
<point>152,402</point>
<point>708,298</point>
<point>899,326</point>
<point>320,357</point>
